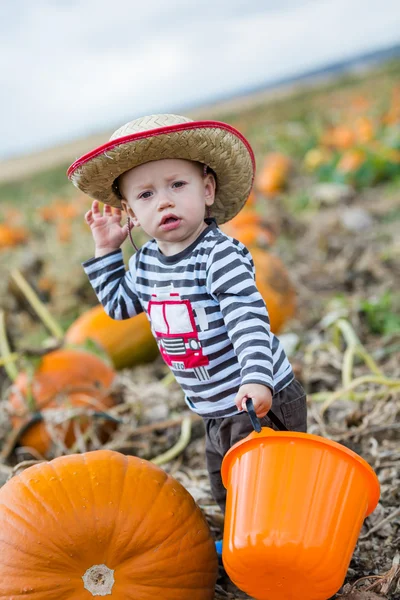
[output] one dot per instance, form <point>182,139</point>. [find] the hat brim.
<point>217,145</point>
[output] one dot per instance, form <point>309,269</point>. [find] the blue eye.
<point>145,195</point>
<point>178,184</point>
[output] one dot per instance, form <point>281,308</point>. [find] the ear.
<point>209,189</point>
<point>130,213</point>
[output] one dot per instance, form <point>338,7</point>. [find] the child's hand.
<point>106,228</point>
<point>260,394</point>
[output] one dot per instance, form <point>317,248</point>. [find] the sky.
<point>70,68</point>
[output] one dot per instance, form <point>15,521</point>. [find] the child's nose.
<point>164,200</point>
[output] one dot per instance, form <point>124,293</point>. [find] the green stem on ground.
<point>343,326</point>
<point>181,444</point>
<point>354,348</point>
<point>348,363</point>
<point>10,358</point>
<point>5,351</point>
<point>393,384</point>
<point>354,343</point>
<point>356,396</point>
<point>168,379</point>
<point>37,305</point>
<point>347,367</point>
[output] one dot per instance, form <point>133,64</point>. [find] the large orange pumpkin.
<point>274,285</point>
<point>63,379</point>
<point>102,524</point>
<point>128,343</point>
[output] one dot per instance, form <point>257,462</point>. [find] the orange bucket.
<point>295,506</point>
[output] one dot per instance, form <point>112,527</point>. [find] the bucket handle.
<point>255,421</point>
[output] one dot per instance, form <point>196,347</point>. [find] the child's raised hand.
<point>260,394</point>
<point>108,234</point>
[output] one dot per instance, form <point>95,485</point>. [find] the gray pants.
<point>290,407</point>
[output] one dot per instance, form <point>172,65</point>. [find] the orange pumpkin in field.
<point>359,103</point>
<point>12,215</point>
<point>12,235</point>
<point>249,228</point>
<point>103,524</point>
<point>392,116</point>
<point>275,287</point>
<point>350,161</point>
<point>364,129</point>
<point>316,157</point>
<point>59,210</point>
<point>340,137</point>
<point>128,342</point>
<point>251,200</point>
<point>273,175</point>
<point>65,379</point>
<point>64,231</point>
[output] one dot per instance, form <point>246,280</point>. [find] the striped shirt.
<point>206,313</point>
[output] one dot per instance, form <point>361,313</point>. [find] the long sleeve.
<point>230,280</point>
<point>114,287</point>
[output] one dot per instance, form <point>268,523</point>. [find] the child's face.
<point>168,198</point>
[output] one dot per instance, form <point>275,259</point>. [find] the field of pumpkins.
<point>323,226</point>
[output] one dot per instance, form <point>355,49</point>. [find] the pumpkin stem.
<point>180,445</point>
<point>7,355</point>
<point>99,580</point>
<point>37,305</point>
<point>12,357</point>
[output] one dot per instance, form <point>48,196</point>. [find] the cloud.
<point>74,67</point>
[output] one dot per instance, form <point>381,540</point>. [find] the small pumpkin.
<point>47,213</point>
<point>12,215</point>
<point>275,287</point>
<point>251,200</point>
<point>12,235</point>
<point>103,524</point>
<point>64,231</point>
<point>365,130</point>
<point>273,174</point>
<point>59,210</point>
<point>66,210</point>
<point>340,137</point>
<point>350,161</point>
<point>64,379</point>
<point>128,342</point>
<point>392,116</point>
<point>359,103</point>
<point>316,157</point>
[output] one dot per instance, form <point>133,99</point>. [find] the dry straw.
<point>155,137</point>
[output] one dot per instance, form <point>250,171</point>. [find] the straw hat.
<point>154,137</point>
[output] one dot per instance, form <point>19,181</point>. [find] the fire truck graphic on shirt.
<point>173,323</point>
